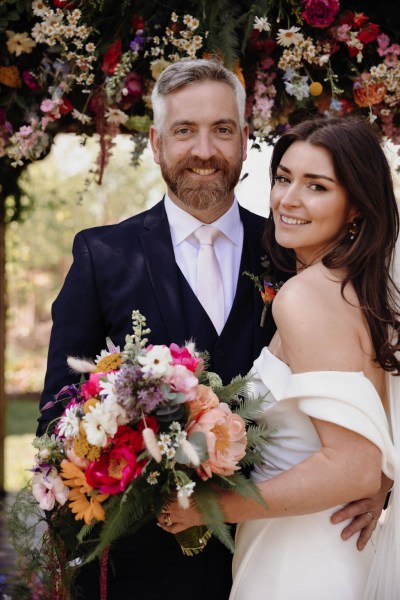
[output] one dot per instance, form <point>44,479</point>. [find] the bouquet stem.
<point>193,540</point>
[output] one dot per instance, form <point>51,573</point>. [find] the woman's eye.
<point>280,179</point>
<point>316,187</point>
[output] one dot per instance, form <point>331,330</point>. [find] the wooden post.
<point>3,304</point>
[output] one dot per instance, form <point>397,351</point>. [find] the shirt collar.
<point>183,224</point>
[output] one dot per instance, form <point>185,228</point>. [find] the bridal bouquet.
<point>143,426</point>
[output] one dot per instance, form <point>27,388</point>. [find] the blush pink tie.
<point>210,287</point>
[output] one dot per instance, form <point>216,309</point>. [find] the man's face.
<point>202,147</point>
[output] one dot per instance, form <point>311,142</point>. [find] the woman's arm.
<point>318,331</point>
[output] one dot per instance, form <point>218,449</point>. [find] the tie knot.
<point>206,235</point>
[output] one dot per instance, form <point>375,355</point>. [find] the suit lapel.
<point>253,227</point>
<point>163,271</point>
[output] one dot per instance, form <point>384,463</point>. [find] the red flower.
<point>359,19</point>
<point>111,57</point>
<point>369,33</point>
<point>151,423</point>
<point>66,106</point>
<point>118,465</point>
<point>137,22</point>
<point>320,13</point>
<point>64,4</point>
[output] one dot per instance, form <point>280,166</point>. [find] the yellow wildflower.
<point>108,363</point>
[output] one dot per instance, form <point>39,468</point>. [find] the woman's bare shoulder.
<point>318,328</point>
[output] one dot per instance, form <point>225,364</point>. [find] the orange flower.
<point>268,294</point>
<point>84,502</point>
<point>205,400</point>
<point>366,93</point>
<point>9,76</point>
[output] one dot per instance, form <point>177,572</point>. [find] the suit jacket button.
<point>219,352</point>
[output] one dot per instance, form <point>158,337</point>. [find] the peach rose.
<point>225,434</point>
<point>205,400</point>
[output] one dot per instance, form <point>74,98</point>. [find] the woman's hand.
<point>175,518</point>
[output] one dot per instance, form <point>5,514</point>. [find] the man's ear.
<point>155,141</point>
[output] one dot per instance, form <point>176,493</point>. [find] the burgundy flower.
<point>320,13</point>
<point>31,81</point>
<point>133,83</point>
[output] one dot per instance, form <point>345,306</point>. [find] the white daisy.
<point>157,361</point>
<point>68,425</point>
<point>287,37</point>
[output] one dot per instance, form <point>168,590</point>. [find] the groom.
<point>149,263</point>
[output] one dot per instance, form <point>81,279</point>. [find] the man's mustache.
<point>196,163</point>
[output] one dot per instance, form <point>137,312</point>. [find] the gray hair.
<point>186,72</point>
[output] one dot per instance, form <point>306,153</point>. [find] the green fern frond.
<point>206,502</point>
<point>231,392</point>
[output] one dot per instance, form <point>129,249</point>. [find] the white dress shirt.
<point>228,246</point>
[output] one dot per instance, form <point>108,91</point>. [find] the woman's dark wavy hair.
<point>362,169</point>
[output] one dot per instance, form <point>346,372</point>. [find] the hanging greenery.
<point>88,66</point>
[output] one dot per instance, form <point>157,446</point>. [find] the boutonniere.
<point>267,285</point>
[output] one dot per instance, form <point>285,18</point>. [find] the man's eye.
<point>224,130</point>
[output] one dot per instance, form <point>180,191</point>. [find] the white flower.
<point>39,8</point>
<point>184,493</point>
<point>150,440</point>
<point>100,423</point>
<point>170,453</point>
<point>190,451</point>
<point>261,23</point>
<point>157,67</point>
<point>157,361</point>
<point>81,365</point>
<point>68,425</point>
<point>84,119</point>
<point>49,489</point>
<point>116,116</point>
<point>287,37</point>
<point>19,43</point>
<point>152,478</point>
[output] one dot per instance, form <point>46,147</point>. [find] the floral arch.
<point>88,66</point>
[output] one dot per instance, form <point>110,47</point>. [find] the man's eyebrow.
<point>308,175</point>
<point>227,121</point>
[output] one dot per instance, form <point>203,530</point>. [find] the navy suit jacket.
<point>131,266</point>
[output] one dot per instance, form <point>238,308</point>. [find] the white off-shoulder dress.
<point>304,557</point>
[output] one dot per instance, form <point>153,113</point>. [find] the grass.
<point>21,424</point>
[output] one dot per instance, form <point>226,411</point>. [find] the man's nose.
<point>203,146</point>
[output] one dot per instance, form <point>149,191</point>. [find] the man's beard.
<point>197,194</point>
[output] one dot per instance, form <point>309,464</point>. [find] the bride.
<point>327,376</point>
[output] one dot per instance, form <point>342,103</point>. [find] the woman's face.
<point>309,206</point>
